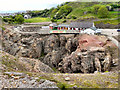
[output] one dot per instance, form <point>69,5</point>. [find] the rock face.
<point>54,58</point>
<point>87,61</point>
<point>10,47</point>
<point>67,53</point>
<point>23,64</point>
<point>36,65</point>
<point>52,43</point>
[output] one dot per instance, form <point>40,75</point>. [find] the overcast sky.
<point>19,5</point>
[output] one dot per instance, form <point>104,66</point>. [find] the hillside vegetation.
<point>37,19</point>
<point>79,10</point>
<point>114,22</point>
<point>72,11</point>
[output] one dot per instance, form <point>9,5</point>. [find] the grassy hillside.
<point>80,10</point>
<point>84,9</point>
<point>37,19</point>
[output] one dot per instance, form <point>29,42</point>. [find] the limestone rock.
<point>67,79</point>
<point>86,62</point>
<point>52,43</point>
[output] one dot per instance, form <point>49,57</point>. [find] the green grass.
<point>114,12</point>
<point>37,19</point>
<point>76,12</point>
<point>80,7</point>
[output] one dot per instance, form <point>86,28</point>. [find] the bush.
<point>19,19</point>
<point>74,17</point>
<point>63,12</point>
<point>53,20</point>
<point>96,8</point>
<point>103,12</point>
<point>64,21</point>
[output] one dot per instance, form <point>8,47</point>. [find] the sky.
<point>22,5</point>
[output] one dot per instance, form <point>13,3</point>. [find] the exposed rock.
<point>23,64</point>
<point>36,49</point>
<point>72,44</point>
<point>16,77</point>
<point>24,52</point>
<point>36,65</point>
<point>14,73</point>
<point>53,58</point>
<point>86,62</point>
<point>10,47</point>
<point>24,82</point>
<point>67,53</point>
<point>67,79</point>
<point>26,40</point>
<point>48,84</point>
<point>69,45</point>
<point>107,62</point>
<point>62,41</point>
<point>52,43</point>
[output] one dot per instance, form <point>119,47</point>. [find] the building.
<point>89,31</point>
<point>92,30</point>
<point>63,27</point>
<point>53,26</point>
<point>80,25</point>
<point>27,16</point>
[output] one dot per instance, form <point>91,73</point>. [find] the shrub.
<point>19,19</point>
<point>74,17</point>
<point>103,12</point>
<point>53,20</point>
<point>64,21</point>
<point>96,8</point>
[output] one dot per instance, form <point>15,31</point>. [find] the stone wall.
<point>30,29</point>
<point>107,26</point>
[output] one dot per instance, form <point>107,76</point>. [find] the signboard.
<point>57,31</point>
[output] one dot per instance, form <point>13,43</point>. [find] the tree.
<point>63,11</point>
<point>53,20</point>
<point>96,8</point>
<point>103,12</point>
<point>54,11</point>
<point>74,17</point>
<point>19,19</point>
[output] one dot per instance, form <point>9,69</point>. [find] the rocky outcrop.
<point>87,62</point>
<point>10,47</point>
<point>67,53</point>
<point>36,65</point>
<point>10,62</point>
<point>51,43</point>
<point>54,58</point>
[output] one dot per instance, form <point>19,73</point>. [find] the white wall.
<point>109,32</point>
